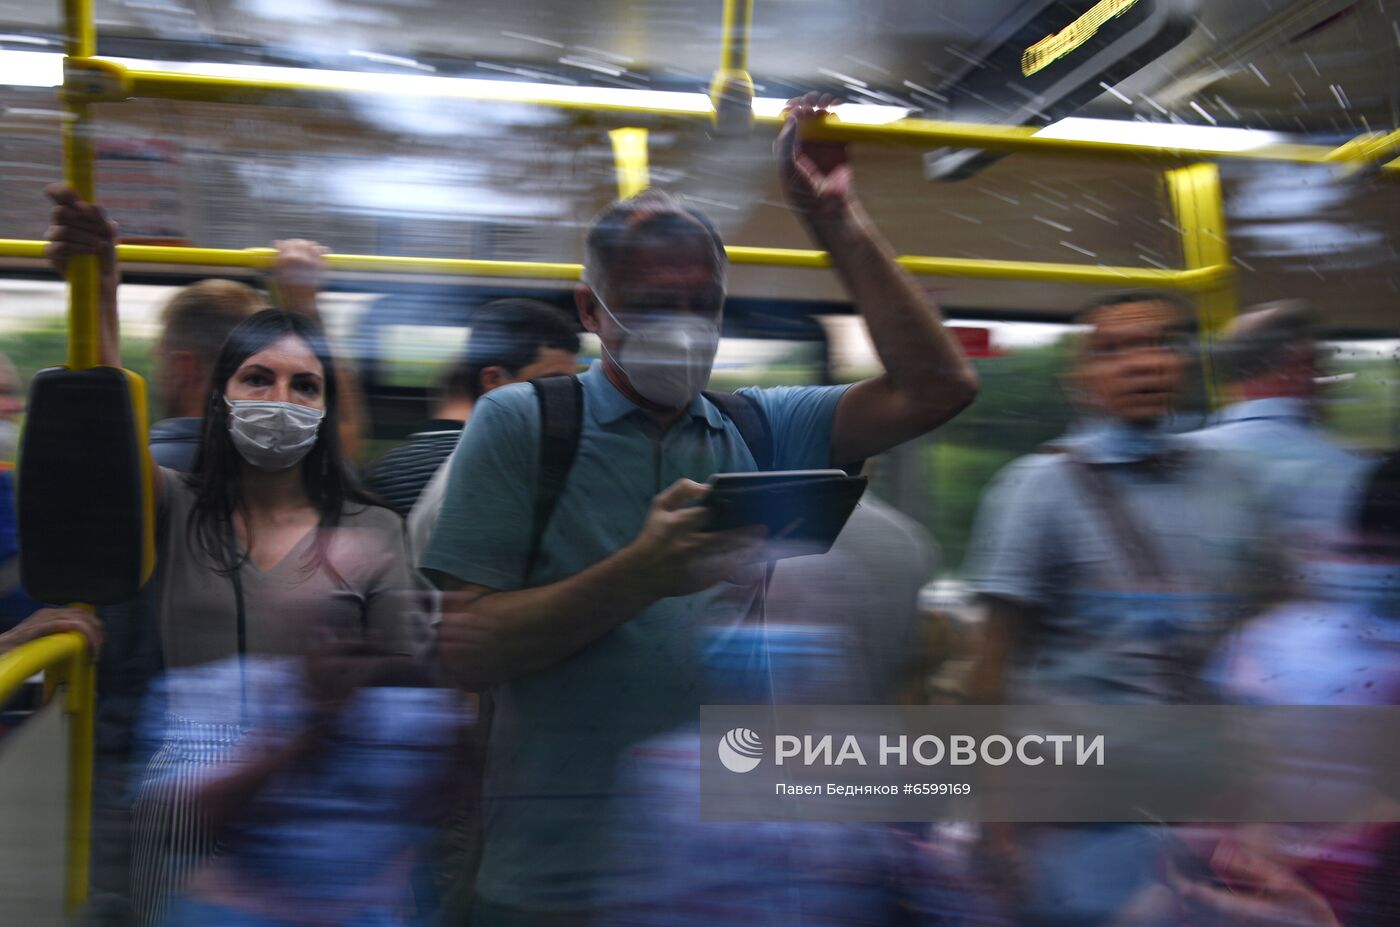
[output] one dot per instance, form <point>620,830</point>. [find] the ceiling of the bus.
<point>1310,65</point>
<point>1326,68</point>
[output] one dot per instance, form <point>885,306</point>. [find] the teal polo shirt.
<point>558,733</point>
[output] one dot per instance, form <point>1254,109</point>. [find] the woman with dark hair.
<point>269,545</point>
<point>273,507</point>
<point>268,549</point>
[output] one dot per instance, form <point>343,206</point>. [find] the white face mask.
<point>667,357</point>
<point>272,435</point>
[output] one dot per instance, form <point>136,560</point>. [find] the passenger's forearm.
<point>515,633</point>
<point>916,349</point>
<point>1002,625</point>
<point>223,798</point>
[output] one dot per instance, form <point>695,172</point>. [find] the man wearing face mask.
<point>590,637</point>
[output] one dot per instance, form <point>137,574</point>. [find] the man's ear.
<point>587,305</point>
<point>493,377</point>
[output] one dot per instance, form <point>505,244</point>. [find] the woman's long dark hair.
<point>327,475</point>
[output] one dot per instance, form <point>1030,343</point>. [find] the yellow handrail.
<point>78,161</point>
<point>64,661</point>
<point>99,80</point>
<point>1199,278</point>
<point>929,133</point>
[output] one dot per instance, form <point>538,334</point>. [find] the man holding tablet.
<point>585,621</point>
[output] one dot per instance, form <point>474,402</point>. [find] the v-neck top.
<point>366,588</point>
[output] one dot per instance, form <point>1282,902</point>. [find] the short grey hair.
<point>1261,339</point>
<point>652,217</point>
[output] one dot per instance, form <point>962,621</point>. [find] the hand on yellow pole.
<point>80,233</point>
<point>48,621</point>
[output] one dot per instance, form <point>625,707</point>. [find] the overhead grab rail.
<point>98,80</point>
<point>1045,272</point>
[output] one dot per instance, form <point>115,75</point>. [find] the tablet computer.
<point>803,510</point>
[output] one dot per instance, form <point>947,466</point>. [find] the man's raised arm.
<point>927,378</point>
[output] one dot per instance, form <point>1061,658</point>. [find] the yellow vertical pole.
<point>80,674</point>
<point>78,172</point>
<point>731,89</point>
<point>76,675</point>
<point>1199,211</point>
<point>80,704</point>
<point>630,156</point>
<point>738,21</point>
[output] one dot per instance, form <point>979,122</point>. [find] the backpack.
<point>561,425</point>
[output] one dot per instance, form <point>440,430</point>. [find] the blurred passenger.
<point>1110,567</point>
<point>266,547</point>
<point>14,603</point>
<point>194,325</point>
<point>866,588</point>
<point>511,340</point>
<point>1339,646</point>
<point>1111,563</point>
<point>679,870</point>
<point>323,806</point>
<point>588,624</point>
<point>1270,358</point>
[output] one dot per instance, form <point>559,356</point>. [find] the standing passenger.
<point>194,324</point>
<point>1110,565</point>
<point>193,327</point>
<point>267,547</point>
<point>592,643</point>
<point>511,340</point>
<point>1270,359</point>
<point>1109,569</point>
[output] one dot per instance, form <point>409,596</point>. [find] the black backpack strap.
<point>561,424</point>
<point>748,416</point>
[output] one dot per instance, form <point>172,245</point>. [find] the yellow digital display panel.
<point>1054,47</point>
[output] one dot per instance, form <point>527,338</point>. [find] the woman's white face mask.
<point>273,435</point>
<point>667,357</point>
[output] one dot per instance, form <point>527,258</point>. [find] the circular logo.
<point>740,750</point>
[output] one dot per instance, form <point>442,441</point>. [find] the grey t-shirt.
<point>1101,632</point>
<point>365,588</point>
